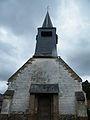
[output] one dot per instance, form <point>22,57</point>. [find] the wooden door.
<point>44,107</point>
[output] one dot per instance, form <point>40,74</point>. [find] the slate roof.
<point>1,97</point>
<point>47,22</point>
<point>44,88</point>
<point>79,96</point>
<point>9,92</point>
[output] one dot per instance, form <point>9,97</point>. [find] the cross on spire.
<point>48,8</point>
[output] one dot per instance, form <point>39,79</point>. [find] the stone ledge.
<point>3,117</point>
<point>33,117</point>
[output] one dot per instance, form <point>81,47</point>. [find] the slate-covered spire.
<point>46,39</point>
<point>47,21</point>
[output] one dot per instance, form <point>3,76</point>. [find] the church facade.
<point>45,87</point>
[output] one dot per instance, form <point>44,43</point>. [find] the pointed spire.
<point>47,22</point>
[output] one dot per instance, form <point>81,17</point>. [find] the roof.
<point>44,88</point>
<point>1,97</point>
<point>79,96</point>
<point>9,92</point>
<point>47,21</point>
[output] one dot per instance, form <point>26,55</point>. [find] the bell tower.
<point>46,39</point>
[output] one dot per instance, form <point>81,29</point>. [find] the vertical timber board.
<point>36,104</point>
<point>6,105</point>
<point>32,105</point>
<point>44,107</point>
<point>55,107</point>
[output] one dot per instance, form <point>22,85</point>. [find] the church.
<point>45,87</point>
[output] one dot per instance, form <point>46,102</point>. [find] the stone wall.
<point>45,71</point>
<point>29,117</point>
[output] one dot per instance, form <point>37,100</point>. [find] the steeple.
<point>46,39</point>
<point>47,22</point>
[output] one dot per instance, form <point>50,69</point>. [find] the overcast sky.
<point>19,20</point>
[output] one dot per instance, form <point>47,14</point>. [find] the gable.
<point>59,59</point>
<point>13,77</point>
<point>70,70</point>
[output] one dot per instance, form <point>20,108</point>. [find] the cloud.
<point>18,28</point>
<point>6,48</point>
<point>3,86</point>
<point>23,17</point>
<point>11,54</point>
<point>19,21</point>
<point>74,44</point>
<point>81,56</point>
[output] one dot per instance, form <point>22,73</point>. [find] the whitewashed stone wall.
<point>6,106</point>
<point>49,71</point>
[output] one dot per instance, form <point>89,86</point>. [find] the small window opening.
<point>46,33</point>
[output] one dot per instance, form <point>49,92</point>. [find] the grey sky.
<point>19,20</point>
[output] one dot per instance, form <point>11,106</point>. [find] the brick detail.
<point>82,118</point>
<point>3,117</point>
<point>16,117</point>
<point>88,103</point>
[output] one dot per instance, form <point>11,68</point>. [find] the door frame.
<point>45,96</point>
<point>33,107</point>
